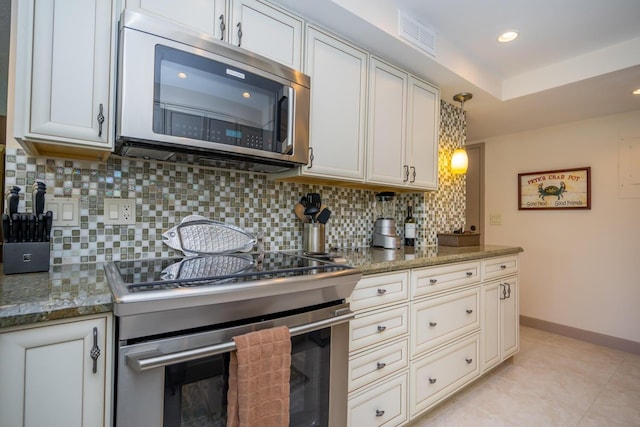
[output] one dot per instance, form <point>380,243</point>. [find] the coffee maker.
<point>384,229</point>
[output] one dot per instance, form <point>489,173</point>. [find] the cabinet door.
<point>510,331</point>
<point>48,379</point>
<point>386,129</point>
<point>338,107</point>
<point>267,31</point>
<point>202,15</point>
<point>68,70</point>
<point>422,138</point>
<point>490,345</point>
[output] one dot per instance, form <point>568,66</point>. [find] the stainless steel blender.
<point>384,229</point>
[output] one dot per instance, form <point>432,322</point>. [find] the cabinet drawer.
<point>383,405</point>
<point>379,363</point>
<point>379,290</point>
<point>378,327</point>
<point>443,372</point>
<point>437,320</point>
<point>500,266</point>
<point>429,280</point>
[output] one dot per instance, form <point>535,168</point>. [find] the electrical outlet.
<point>119,211</point>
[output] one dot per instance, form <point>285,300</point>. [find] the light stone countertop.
<point>73,290</point>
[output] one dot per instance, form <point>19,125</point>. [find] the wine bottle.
<point>409,228</point>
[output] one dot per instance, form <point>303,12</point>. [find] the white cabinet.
<point>48,376</point>
<point>403,129</point>
<point>64,77</point>
<point>338,74</point>
<point>500,317</point>
<point>267,31</point>
<point>208,16</point>
<point>386,126</point>
<point>251,24</point>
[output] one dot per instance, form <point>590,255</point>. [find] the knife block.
<point>25,257</point>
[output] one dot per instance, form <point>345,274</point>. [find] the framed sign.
<point>557,189</point>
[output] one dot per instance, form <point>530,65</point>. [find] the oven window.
<point>198,98</point>
<point>195,393</point>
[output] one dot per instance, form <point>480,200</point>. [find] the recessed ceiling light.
<point>636,92</point>
<point>182,75</point>
<point>246,95</point>
<point>508,36</point>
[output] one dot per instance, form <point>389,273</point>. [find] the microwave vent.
<point>147,153</point>
<point>417,33</point>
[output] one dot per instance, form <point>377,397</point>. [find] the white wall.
<point>580,268</point>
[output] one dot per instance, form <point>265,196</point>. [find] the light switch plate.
<point>66,211</point>
<point>495,219</point>
<point>119,211</point>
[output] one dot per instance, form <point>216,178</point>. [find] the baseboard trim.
<point>581,334</point>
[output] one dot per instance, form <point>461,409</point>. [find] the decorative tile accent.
<point>165,193</point>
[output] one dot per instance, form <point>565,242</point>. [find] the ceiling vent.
<point>417,33</point>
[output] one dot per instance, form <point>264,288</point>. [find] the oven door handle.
<point>150,360</point>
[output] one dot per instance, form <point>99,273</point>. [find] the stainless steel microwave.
<point>183,95</point>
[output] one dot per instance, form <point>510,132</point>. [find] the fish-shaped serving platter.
<point>197,235</point>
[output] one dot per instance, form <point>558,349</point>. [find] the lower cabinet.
<point>442,372</point>
<point>421,335</point>
<point>500,321</point>
<point>57,373</point>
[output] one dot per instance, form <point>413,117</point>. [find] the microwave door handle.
<point>287,141</point>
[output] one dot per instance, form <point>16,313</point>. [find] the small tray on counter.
<point>464,239</point>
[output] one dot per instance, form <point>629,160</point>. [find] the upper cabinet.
<point>338,74</point>
<point>208,16</point>
<point>250,24</point>
<point>403,129</point>
<point>64,77</point>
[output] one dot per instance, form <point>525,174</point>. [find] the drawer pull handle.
<point>381,291</point>
<point>469,311</point>
<point>381,365</point>
<point>94,353</point>
<point>469,273</point>
<point>503,267</point>
<point>379,413</point>
<point>468,360</point>
<point>433,281</point>
<point>432,324</point>
<point>381,328</point>
<point>432,380</point>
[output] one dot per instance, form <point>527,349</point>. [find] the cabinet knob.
<point>239,33</point>
<point>379,413</point>
<point>381,365</point>
<point>381,328</point>
<point>469,273</point>
<point>432,324</point>
<point>503,267</point>
<point>94,353</point>
<point>433,281</point>
<point>222,27</point>
<point>469,311</point>
<point>381,291</point>
<point>468,360</point>
<point>432,380</point>
<point>100,118</point>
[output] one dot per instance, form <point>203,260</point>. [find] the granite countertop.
<point>79,289</point>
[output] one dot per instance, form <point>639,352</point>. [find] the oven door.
<point>183,381</point>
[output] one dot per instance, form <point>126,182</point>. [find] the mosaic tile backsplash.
<point>165,193</point>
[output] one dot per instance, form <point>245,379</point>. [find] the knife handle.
<point>6,228</point>
<point>15,227</point>
<point>24,228</point>
<point>31,229</point>
<point>48,225</point>
<point>40,237</point>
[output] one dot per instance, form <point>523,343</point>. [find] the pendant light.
<point>459,160</point>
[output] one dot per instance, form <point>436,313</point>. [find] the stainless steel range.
<point>176,318</point>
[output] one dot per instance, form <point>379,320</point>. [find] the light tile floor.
<point>552,381</point>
